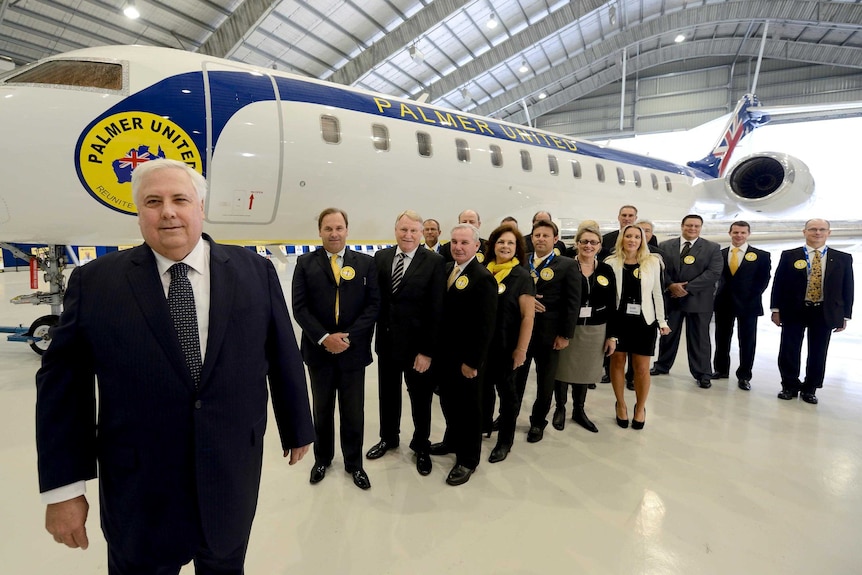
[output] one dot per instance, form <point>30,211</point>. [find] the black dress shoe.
<point>360,479</point>
<point>459,475</point>
<point>621,422</point>
<point>440,449</point>
<point>657,371</point>
<point>720,375</point>
<point>318,472</point>
<point>591,385</point>
<point>380,449</point>
<point>423,463</point>
<point>495,425</point>
<point>535,434</point>
<point>559,419</point>
<point>630,385</point>
<point>499,453</point>
<point>787,394</point>
<point>744,384</point>
<point>606,378</point>
<point>809,398</point>
<point>704,383</point>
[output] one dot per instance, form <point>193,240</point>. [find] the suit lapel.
<point>222,289</point>
<point>418,258</point>
<point>146,286</point>
<point>325,265</point>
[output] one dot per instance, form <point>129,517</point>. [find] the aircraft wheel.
<point>41,332</point>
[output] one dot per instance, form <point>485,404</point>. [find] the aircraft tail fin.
<point>740,123</point>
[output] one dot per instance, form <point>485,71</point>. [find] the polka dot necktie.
<point>181,302</point>
<point>814,292</point>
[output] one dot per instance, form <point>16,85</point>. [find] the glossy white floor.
<point>720,481</point>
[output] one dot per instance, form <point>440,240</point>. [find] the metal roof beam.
<point>224,41</point>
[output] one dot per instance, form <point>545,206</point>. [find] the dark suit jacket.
<point>469,314</point>
<point>742,293</point>
<point>791,283</point>
<point>701,275</point>
<point>314,290</point>
<point>561,296</point>
<point>409,320</point>
<point>168,456</point>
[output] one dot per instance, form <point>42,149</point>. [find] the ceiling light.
<point>542,95</point>
<point>416,54</point>
<point>679,38</point>
<point>492,22</point>
<point>131,11</point>
<point>523,69</point>
<point>465,93</point>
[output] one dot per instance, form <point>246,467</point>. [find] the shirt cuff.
<point>64,493</point>
<point>320,341</point>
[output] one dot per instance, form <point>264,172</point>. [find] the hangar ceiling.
<point>539,57</point>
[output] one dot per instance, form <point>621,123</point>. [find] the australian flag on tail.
<point>123,167</point>
<point>741,122</point>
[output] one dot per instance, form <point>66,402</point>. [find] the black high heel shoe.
<point>621,422</point>
<point>638,424</point>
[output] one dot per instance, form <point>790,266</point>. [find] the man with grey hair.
<point>176,338</point>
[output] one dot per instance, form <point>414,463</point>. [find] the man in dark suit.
<point>693,268</point>
<point>472,218</point>
<point>412,283</point>
<point>626,217</point>
<point>558,302</point>
<point>813,292</point>
<point>335,301</point>
<point>559,246</point>
<point>469,314</point>
<point>431,234</point>
<point>181,353</point>
<point>739,299</point>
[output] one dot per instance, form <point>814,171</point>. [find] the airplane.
<point>277,148</point>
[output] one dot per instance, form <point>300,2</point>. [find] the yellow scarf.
<point>501,271</point>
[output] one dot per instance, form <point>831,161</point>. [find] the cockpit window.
<point>101,75</point>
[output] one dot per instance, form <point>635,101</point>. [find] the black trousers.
<point>790,350</point>
<point>348,386</point>
<point>547,359</point>
<point>205,563</point>
<point>500,375</point>
<point>461,401</point>
<point>420,388</point>
<point>746,333</point>
<point>696,340</point>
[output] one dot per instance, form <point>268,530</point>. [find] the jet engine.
<point>770,182</point>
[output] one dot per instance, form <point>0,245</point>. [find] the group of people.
<point>176,423</point>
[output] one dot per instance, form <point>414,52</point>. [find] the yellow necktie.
<point>453,276</point>
<point>734,261</point>
<point>814,293</point>
<point>336,271</point>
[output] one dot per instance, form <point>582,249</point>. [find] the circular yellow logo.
<point>602,280</point>
<point>547,274</point>
<point>112,149</point>
<point>461,282</point>
<point>480,257</point>
<point>348,273</point>
<point>501,288</point>
<point>800,264</point>
<point>688,259</point>
<point>637,273</point>
<point>556,251</point>
<point>750,256</point>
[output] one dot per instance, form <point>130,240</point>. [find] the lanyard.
<point>533,270</point>
<point>808,261</point>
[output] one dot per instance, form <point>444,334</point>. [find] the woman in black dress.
<point>516,310</point>
<point>640,312</point>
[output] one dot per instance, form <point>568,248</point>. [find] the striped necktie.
<point>453,276</point>
<point>181,303</point>
<point>398,272</point>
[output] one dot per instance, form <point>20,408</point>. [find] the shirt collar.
<point>409,254</point>
<point>809,249</point>
<point>195,260</point>
<point>339,254</point>
<point>743,248</point>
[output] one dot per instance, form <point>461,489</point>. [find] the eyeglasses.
<point>589,242</point>
<point>817,230</point>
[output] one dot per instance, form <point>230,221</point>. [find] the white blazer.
<point>652,300</point>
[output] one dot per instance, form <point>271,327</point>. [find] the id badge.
<point>586,311</point>
<point>633,309</point>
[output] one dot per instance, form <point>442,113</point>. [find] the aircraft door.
<point>244,133</point>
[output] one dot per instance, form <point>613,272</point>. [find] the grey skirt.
<point>582,360</point>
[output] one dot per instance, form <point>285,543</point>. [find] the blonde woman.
<point>639,313</point>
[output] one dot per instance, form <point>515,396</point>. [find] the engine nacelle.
<point>770,182</point>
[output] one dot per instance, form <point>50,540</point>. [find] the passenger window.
<point>654,181</point>
<point>526,161</point>
<point>637,179</point>
<point>380,137</point>
<point>463,150</point>
<point>553,166</point>
<point>423,140</point>
<point>667,184</point>
<point>100,75</point>
<point>621,176</point>
<point>600,172</point>
<point>576,169</point>
<point>496,156</point>
<point>330,129</point>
